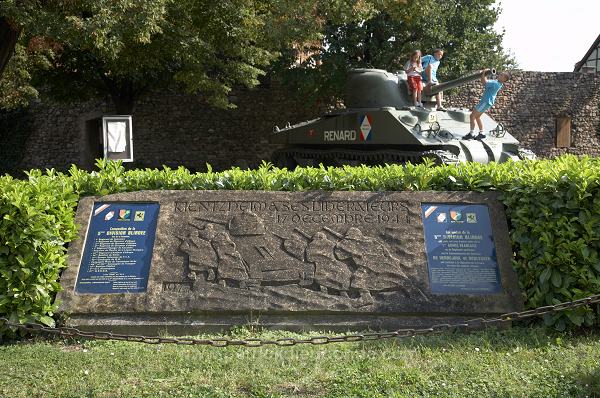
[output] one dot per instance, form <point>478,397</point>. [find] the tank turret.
<point>380,125</point>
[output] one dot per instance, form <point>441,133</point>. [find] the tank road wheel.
<point>526,154</point>
<point>283,159</point>
<point>307,161</point>
<point>353,162</point>
<point>440,157</point>
<point>434,157</point>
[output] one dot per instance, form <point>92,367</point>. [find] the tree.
<point>463,28</point>
<point>15,14</point>
<point>90,58</point>
<point>15,85</point>
<point>15,88</point>
<point>203,46</point>
<point>9,34</point>
<point>124,49</point>
<point>36,31</point>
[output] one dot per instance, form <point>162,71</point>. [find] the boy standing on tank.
<point>430,64</point>
<point>413,70</point>
<point>492,86</point>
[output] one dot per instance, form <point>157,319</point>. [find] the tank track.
<point>291,158</point>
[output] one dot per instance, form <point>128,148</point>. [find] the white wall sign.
<point>117,138</point>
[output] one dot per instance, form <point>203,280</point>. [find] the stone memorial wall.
<point>185,261</point>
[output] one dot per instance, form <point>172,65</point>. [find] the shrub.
<point>36,221</point>
<point>553,210</point>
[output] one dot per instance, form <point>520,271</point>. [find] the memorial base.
<point>186,325</point>
<point>181,262</point>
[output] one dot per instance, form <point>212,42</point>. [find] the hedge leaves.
<point>553,210</point>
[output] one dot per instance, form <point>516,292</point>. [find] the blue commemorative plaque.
<point>118,248</point>
<point>461,254</point>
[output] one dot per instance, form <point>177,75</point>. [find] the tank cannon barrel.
<point>433,90</point>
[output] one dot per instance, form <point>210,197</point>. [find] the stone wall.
<point>171,129</point>
<point>14,129</point>
<point>530,102</point>
<point>176,129</point>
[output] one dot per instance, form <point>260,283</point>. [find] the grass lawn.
<point>521,362</point>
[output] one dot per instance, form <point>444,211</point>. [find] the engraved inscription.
<point>317,212</point>
<point>340,218</point>
<point>177,287</point>
<point>219,206</point>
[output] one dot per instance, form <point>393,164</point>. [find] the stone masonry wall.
<point>175,129</point>
<point>530,102</point>
<point>171,129</point>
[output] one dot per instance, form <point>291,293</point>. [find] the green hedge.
<point>36,221</point>
<point>553,209</point>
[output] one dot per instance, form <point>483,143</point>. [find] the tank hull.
<point>381,127</point>
<point>389,136</point>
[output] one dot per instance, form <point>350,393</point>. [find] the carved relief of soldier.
<point>242,253</point>
<point>330,273</point>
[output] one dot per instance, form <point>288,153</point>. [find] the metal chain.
<point>471,324</point>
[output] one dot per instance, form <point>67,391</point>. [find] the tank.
<point>380,126</point>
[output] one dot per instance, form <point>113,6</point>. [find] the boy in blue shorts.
<point>487,100</point>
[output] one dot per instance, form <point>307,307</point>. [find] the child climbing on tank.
<point>492,86</point>
<point>413,70</point>
<point>430,65</point>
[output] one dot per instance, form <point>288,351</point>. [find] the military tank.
<point>381,126</point>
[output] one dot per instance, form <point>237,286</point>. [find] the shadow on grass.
<point>586,383</point>
<point>531,337</point>
<point>492,339</point>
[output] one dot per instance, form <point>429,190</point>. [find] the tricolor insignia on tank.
<point>365,128</point>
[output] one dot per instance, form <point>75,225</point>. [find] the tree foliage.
<point>15,86</point>
<point>125,48</point>
<point>463,28</point>
<point>17,59</point>
<point>44,28</point>
<point>203,46</point>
